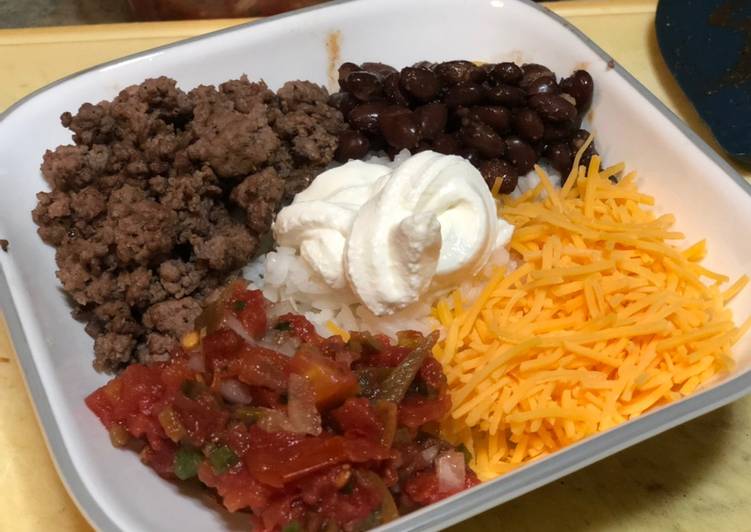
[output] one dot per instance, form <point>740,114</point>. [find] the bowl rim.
<point>460,506</point>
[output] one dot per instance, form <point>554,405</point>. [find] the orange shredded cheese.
<point>335,330</point>
<point>603,320</point>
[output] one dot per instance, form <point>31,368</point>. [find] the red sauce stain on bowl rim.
<point>333,54</point>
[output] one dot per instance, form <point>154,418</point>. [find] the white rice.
<point>532,179</point>
<point>284,276</point>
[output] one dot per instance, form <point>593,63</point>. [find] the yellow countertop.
<point>694,477</point>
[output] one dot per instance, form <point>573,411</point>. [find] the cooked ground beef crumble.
<point>164,196</point>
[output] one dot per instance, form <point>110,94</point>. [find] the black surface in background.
<point>706,44</point>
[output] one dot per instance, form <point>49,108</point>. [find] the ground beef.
<point>164,195</point>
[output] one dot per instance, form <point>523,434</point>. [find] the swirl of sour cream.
<point>393,234</point>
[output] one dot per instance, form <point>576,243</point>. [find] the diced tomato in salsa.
<point>358,419</point>
<point>423,487</point>
<point>300,327</point>
<point>250,308</point>
<point>238,488</point>
<point>416,410</point>
<point>332,381</point>
<point>335,457</point>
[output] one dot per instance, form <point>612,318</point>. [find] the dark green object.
<point>707,47</point>
<point>247,414</point>
<point>192,389</point>
<point>369,381</point>
<point>221,459</point>
<point>395,386</point>
<point>467,455</point>
<point>186,463</point>
<point>292,526</point>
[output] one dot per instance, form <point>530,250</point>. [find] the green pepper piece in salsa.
<point>395,386</point>
<point>292,526</point>
<point>186,463</point>
<point>222,458</point>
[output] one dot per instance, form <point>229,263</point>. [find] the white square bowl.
<point>112,489</point>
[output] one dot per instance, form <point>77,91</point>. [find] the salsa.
<point>304,433</point>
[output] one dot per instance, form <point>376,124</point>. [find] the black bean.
<point>521,154</point>
<point>555,131</point>
<point>343,101</point>
<point>533,68</point>
<point>570,99</point>
<point>586,157</point>
<point>377,142</point>
<point>539,147</point>
<point>579,137</point>
<point>553,107</point>
<point>483,138</point>
<point>420,83</point>
<point>432,118</point>
<point>399,127</point>
<point>391,151</point>
<point>528,124</point>
<point>577,141</point>
<point>458,116</point>
<point>393,91</point>
<point>580,85</point>
<point>345,69</point>
<point>496,116</point>
<point>487,69</point>
<point>560,156</point>
<point>352,145</point>
<point>543,85</point>
<point>508,73</point>
<point>425,64</point>
<point>365,116</point>
<point>363,85</point>
<point>532,72</point>
<point>421,146</point>
<point>499,169</point>
<point>447,144</point>
<point>455,72</point>
<point>472,155</point>
<point>465,93</point>
<point>507,95</point>
<point>381,70</point>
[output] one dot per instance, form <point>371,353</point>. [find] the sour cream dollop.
<point>393,234</point>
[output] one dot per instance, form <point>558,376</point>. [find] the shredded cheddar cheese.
<point>602,321</point>
<point>335,330</point>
